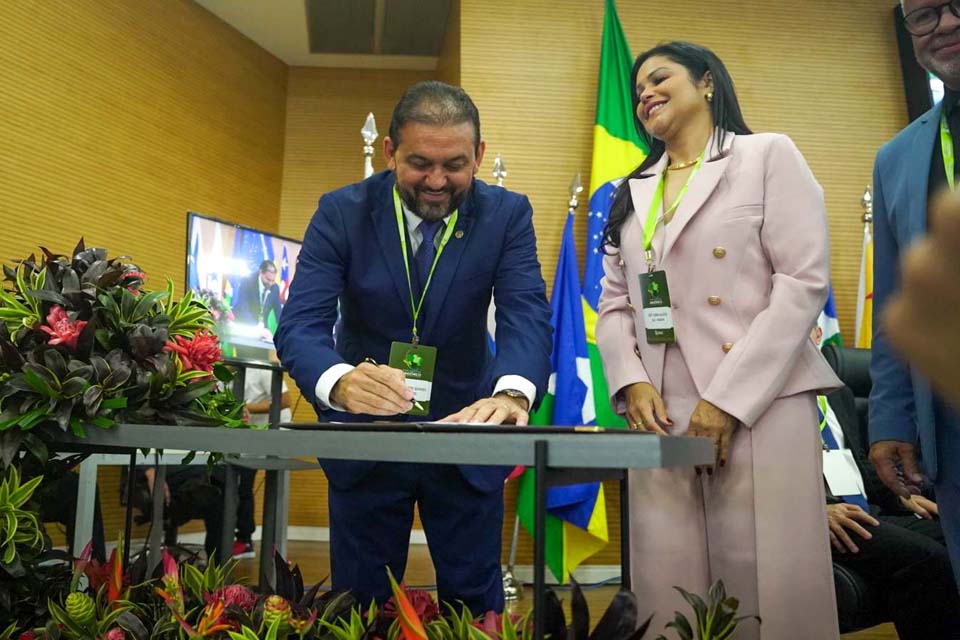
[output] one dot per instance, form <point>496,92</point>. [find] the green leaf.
<point>9,531</point>
<point>22,494</point>
<point>78,429</point>
<point>103,422</point>
<point>37,381</point>
<point>272,631</point>
<point>120,402</point>
<point>33,417</point>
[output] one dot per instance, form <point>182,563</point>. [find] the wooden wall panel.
<point>116,118</point>
<point>825,73</point>
<point>448,66</point>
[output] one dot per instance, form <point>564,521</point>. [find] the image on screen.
<point>244,275</point>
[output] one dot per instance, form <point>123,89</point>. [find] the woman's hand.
<point>709,421</point>
<point>921,506</point>
<point>645,409</point>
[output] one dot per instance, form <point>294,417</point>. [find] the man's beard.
<point>947,70</point>
<point>427,211</point>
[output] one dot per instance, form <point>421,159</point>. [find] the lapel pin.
<point>458,234</point>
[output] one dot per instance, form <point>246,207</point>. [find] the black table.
<point>561,455</point>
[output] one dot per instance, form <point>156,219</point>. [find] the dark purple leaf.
<point>579,613</point>
<point>12,359</point>
<point>55,362</point>
<point>92,398</point>
<point>10,444</point>
<point>48,296</point>
<point>620,618</point>
<point>554,621</point>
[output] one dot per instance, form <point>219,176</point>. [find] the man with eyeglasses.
<point>910,171</point>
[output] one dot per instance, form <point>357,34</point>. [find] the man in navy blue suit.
<point>910,170</point>
<point>413,255</point>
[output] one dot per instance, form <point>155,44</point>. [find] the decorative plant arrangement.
<point>83,344</point>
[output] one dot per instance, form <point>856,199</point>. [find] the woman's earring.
<point>710,96</point>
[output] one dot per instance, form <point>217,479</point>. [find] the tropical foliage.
<point>83,344</point>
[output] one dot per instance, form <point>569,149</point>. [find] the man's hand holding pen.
<point>373,389</point>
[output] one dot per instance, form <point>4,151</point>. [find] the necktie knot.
<point>428,230</point>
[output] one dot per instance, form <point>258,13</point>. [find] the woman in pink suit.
<point>717,267</point>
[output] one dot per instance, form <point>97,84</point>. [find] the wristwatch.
<point>515,394</point>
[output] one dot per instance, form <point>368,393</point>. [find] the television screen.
<point>244,275</point>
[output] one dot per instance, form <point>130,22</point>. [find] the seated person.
<point>256,397</point>
<point>896,545</point>
<point>189,493</point>
<point>57,496</point>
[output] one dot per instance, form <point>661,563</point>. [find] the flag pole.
<point>512,588</point>
<point>865,286</point>
<point>369,135</point>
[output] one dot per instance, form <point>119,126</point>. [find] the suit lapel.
<point>445,273</point>
<point>919,170</point>
<point>384,218</point>
<point>703,185</point>
<point>643,188</point>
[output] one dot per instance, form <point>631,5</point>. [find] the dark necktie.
<point>427,251</point>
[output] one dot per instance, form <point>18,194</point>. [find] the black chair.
<point>853,368</point>
<point>858,604</point>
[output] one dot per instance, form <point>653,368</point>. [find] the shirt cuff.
<point>327,381</point>
<point>518,383</point>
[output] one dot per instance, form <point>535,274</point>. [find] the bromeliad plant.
<point>19,527</point>
<point>82,343</point>
<point>715,619</point>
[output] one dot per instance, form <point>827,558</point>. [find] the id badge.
<point>417,362</point>
<point>841,473</point>
<point>657,313</point>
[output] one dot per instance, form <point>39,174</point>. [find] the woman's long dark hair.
<point>724,109</point>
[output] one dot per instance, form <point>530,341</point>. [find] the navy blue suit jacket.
<point>248,308</point>
<point>351,254</point>
<point>901,402</point>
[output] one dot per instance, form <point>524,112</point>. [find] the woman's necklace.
<point>682,165</point>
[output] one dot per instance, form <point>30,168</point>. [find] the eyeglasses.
<point>925,20</point>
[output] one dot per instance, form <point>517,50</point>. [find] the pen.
<point>416,404</point>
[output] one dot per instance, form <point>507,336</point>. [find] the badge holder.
<point>657,312</point>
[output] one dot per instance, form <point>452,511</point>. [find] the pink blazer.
<point>748,265</point>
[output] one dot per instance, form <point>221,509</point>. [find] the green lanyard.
<point>650,226</point>
<point>822,401</point>
<point>451,223</point>
<point>946,147</point>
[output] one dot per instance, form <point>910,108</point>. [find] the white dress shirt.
<point>331,376</point>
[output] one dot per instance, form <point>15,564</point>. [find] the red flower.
<point>114,634</point>
<point>28,635</point>
<point>422,602</point>
<point>61,329</point>
<point>491,623</point>
<point>235,594</point>
<point>199,353</point>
